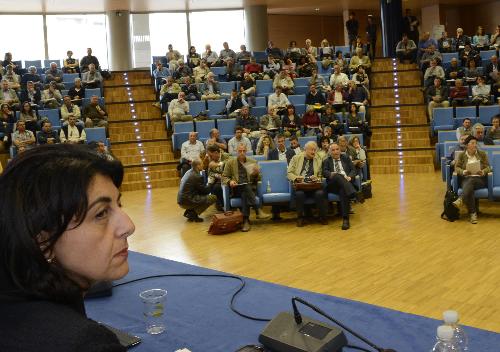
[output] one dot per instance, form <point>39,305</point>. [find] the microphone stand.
<point>298,320</point>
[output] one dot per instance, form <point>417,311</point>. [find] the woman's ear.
<point>42,240</point>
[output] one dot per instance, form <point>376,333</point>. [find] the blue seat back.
<point>86,101</point>
<point>297,99</point>
<point>226,127</point>
<point>448,146</point>
<point>215,107</point>
<point>96,134</point>
<point>259,157</point>
<point>444,136</point>
<point>218,70</point>
<point>46,63</point>
<point>203,128</point>
<point>275,171</point>
<point>301,89</point>
<point>36,63</point>
<point>258,111</point>
<point>178,139</point>
<point>264,87</point>
<point>487,112</point>
<point>300,109</point>
<point>466,111</point>
<point>181,127</point>
<point>260,56</point>
<point>260,101</point>
<point>195,107</point>
<point>89,92</point>
<point>487,54</point>
<point>226,87</point>
<point>301,81</point>
<point>345,49</point>
<point>448,56</point>
<point>442,116</point>
<point>495,165</point>
<point>70,77</point>
<point>52,115</point>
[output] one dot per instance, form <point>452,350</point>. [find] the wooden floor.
<point>398,253</point>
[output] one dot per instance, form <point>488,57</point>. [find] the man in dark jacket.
<point>340,172</point>
<point>194,194</point>
<point>352,26</point>
<point>281,152</point>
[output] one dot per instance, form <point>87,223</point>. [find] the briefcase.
<point>307,186</point>
<point>226,222</point>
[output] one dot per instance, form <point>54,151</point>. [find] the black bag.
<point>366,189</point>
<point>450,212</point>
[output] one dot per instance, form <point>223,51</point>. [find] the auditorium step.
<point>157,176</point>
<point>404,132</point>
<point>120,94</point>
<point>149,161</point>
<point>410,95</point>
<point>384,64</point>
<point>122,111</point>
<point>409,115</point>
<point>134,77</point>
<point>131,127</point>
<point>389,162</point>
<point>386,79</point>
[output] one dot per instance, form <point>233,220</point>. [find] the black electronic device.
<point>125,339</point>
<point>251,348</point>
<point>284,334</point>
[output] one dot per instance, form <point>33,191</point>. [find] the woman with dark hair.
<point>291,122</point>
<point>193,58</point>
<point>28,115</point>
<point>7,121</point>
<point>62,229</point>
<point>341,61</point>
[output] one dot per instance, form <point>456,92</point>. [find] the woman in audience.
<point>28,115</point>
<point>289,67</point>
<point>272,68</point>
<point>311,121</point>
<point>319,82</point>
<point>329,118</point>
<point>193,58</point>
<point>293,52</point>
<point>495,38</point>
<point>359,157</point>
<point>7,121</point>
<point>326,54</point>
<point>58,238</point>
<point>472,72</point>
<point>70,65</point>
<point>361,78</point>
<point>481,92</point>
<point>481,41</point>
<point>341,61</point>
<point>354,120</point>
<point>77,93</point>
<point>467,163</point>
<point>291,122</point>
<point>265,146</point>
<point>337,98</point>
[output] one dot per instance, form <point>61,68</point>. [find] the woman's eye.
<point>102,214</point>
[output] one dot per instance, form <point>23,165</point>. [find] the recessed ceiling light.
<point>316,9</point>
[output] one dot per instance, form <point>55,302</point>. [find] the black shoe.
<point>345,224</point>
<point>300,222</point>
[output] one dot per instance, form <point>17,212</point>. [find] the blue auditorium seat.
<point>227,87</point>
<point>487,54</point>
<point>260,101</point>
<point>301,81</point>
<point>260,56</point>
<point>345,49</point>
<point>203,128</point>
<point>448,56</point>
<point>96,134</point>
<point>258,111</point>
<point>297,99</point>
<point>36,63</point>
<point>494,187</point>
<point>442,119</point>
<point>180,127</point>
<point>487,112</point>
<point>226,128</point>
<point>216,107</point>
<point>301,89</point>
<point>274,172</point>
<point>89,92</point>
<point>465,111</point>
<point>178,139</point>
<point>264,87</point>
<point>46,63</point>
<point>233,202</point>
<point>52,115</point>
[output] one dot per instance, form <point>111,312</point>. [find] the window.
<point>217,27</point>
<point>168,28</point>
<point>77,33</point>
<point>23,37</point>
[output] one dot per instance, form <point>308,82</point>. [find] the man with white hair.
<point>340,173</point>
<point>178,109</point>
<point>190,150</point>
<point>54,74</point>
<point>241,174</point>
<point>210,89</point>
<point>307,167</point>
<point>209,56</point>
<point>193,193</point>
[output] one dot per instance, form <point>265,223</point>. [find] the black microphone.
<point>298,320</point>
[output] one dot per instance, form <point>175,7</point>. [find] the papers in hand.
<point>250,167</point>
<point>473,168</point>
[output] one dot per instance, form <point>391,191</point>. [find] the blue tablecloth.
<point>198,316</point>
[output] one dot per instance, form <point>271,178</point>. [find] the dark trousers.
<point>407,56</point>
<point>469,184</point>
<point>216,190</point>
<point>344,189</point>
<point>247,195</point>
<point>319,200</point>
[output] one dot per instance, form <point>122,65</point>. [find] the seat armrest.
<point>490,186</point>
<point>454,182</point>
<point>226,197</point>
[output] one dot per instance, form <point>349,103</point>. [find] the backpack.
<point>450,212</point>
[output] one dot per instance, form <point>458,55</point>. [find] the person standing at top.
<point>352,26</point>
<point>371,37</point>
<point>410,26</point>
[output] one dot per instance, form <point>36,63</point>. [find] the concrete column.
<point>430,18</point>
<point>256,29</point>
<point>119,44</point>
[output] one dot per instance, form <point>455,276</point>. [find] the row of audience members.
<point>335,161</point>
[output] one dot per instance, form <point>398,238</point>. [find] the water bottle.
<point>451,319</point>
<point>445,342</point>
<point>268,188</point>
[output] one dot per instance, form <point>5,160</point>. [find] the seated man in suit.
<point>193,194</point>
<point>281,152</point>
<point>242,174</point>
<point>340,172</point>
<point>304,167</point>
